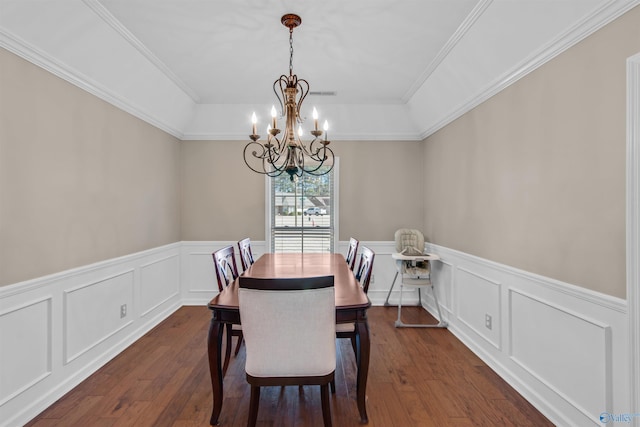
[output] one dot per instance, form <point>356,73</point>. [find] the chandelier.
<point>289,153</point>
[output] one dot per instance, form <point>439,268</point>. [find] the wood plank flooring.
<point>417,377</point>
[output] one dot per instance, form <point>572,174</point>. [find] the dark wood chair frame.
<point>351,252</point>
<point>363,275</point>
<point>225,262</point>
<point>246,255</point>
<point>257,382</point>
<point>365,268</point>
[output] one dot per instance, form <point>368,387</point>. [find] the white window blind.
<point>303,213</point>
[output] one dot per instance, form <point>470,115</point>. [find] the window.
<point>302,212</point>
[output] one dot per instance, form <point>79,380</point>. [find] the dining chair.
<point>226,272</point>
<point>246,255</point>
<point>351,252</point>
<point>363,275</point>
<point>289,330</point>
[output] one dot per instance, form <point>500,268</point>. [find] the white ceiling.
<point>198,68</point>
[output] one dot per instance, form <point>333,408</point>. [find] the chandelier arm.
<point>273,156</point>
<point>303,87</point>
<point>327,155</point>
<point>322,163</point>
<point>313,146</point>
<point>324,150</point>
<point>312,150</point>
<point>273,170</point>
<point>280,146</point>
<point>282,80</point>
<point>304,148</point>
<point>267,156</point>
<point>256,155</point>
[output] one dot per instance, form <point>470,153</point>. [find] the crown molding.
<point>596,20</point>
<point>383,137</point>
<point>584,28</point>
<point>111,20</point>
<point>471,19</point>
<point>37,57</point>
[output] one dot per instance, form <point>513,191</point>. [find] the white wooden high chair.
<point>413,266</point>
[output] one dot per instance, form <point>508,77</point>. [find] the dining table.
<point>352,304</point>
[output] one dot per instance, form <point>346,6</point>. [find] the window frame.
<point>334,209</point>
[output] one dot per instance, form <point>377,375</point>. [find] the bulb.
<point>274,121</point>
<point>315,114</point>
<point>254,119</point>
<point>326,126</point>
<point>300,132</point>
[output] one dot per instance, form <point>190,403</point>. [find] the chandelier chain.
<point>290,51</point>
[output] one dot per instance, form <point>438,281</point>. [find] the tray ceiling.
<point>393,70</point>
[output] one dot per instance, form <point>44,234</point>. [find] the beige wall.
<point>380,190</point>
<point>80,180</point>
<point>535,176</point>
<point>221,198</point>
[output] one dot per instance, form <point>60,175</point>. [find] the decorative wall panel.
<point>92,312</point>
<point>564,350</point>
<point>159,282</point>
<point>25,342</point>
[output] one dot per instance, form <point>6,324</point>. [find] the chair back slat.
<point>246,255</point>
<point>225,265</point>
<point>365,267</point>
<point>351,252</point>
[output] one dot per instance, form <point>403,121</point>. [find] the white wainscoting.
<point>57,330</point>
<point>384,270</point>
<point>199,284</point>
<point>564,348</point>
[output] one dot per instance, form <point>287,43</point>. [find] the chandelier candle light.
<point>288,153</point>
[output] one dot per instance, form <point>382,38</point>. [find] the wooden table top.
<point>349,293</point>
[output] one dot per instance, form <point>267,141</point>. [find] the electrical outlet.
<point>123,310</point>
<point>487,321</point>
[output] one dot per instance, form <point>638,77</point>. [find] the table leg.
<point>214,346</point>
<point>362,359</point>
<point>227,350</point>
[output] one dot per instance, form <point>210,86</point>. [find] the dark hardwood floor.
<point>417,377</point>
